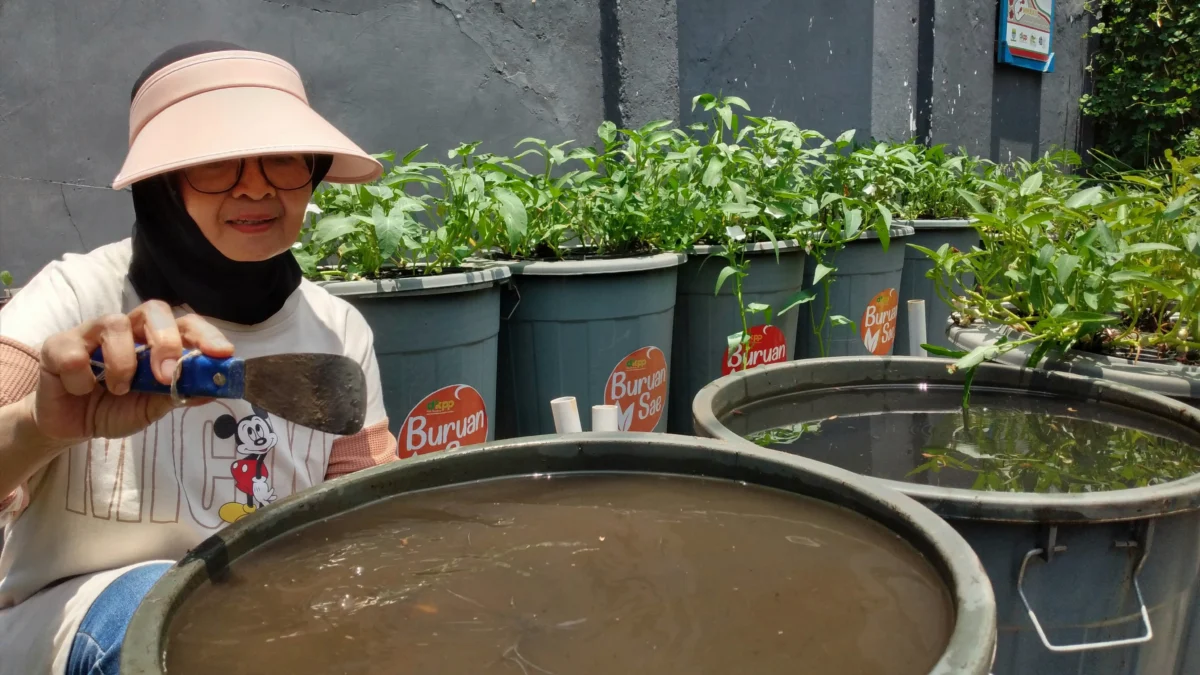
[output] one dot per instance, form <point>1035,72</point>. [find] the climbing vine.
<point>1146,70</point>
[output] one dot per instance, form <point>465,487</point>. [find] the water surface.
<point>606,574</point>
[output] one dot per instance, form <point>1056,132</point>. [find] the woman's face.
<point>253,220</point>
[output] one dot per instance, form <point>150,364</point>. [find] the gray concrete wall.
<point>395,74</point>
<point>391,74</point>
<point>997,110</point>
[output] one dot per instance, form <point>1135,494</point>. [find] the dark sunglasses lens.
<point>288,172</point>
<point>213,177</point>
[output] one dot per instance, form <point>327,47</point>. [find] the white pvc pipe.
<point>604,418</point>
<point>566,415</point>
<point>916,328</point>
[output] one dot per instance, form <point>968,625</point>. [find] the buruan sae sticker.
<point>448,418</point>
<point>878,327</point>
<point>767,345</point>
<point>638,387</point>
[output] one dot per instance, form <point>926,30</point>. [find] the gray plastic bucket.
<point>1169,378</point>
<point>588,329</point>
<point>704,321</point>
<point>972,642</point>
<point>436,339</point>
<point>1085,594</point>
<point>867,276</point>
<point>931,234</point>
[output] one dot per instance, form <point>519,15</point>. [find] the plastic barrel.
<point>705,320</point>
<point>598,330</point>
<point>931,234</point>
<point>1084,595</point>
<point>436,339</point>
<point>971,644</point>
<point>865,290</point>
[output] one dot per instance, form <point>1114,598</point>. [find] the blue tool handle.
<point>199,377</point>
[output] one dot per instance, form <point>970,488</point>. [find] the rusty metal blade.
<point>325,392</point>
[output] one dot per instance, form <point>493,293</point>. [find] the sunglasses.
<point>282,172</point>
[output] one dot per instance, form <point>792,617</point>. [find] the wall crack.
<point>62,190</point>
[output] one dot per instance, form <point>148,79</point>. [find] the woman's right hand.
<point>70,406</point>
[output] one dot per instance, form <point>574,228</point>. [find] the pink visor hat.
<point>230,104</point>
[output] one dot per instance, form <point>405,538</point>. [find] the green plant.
<point>1147,76</point>
<point>1112,267</point>
<point>6,279</point>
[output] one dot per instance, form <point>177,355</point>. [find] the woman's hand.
<point>70,406</point>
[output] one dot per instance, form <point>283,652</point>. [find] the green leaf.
<point>727,272</point>
<point>937,350</point>
<point>846,137</point>
<point>1031,185</point>
<point>389,230</point>
<point>799,298</point>
<point>330,228</point>
<point>839,320</point>
<point>887,216</point>
<point>829,198</point>
<point>853,222</point>
<point>1142,181</point>
<point>1146,280</point>
<point>1066,265</point>
<point>1147,247</point>
<point>726,114</point>
<point>1085,317</point>
<point>413,155</point>
<point>770,237</point>
<point>734,100</point>
<point>972,201</point>
<point>821,272</point>
<point>743,210</point>
<point>607,132</point>
<point>713,175</point>
<point>512,211</point>
<point>734,341</point>
<point>977,356</point>
<point>1088,197</point>
<point>757,307</point>
<point>6,278</point>
<point>1175,208</point>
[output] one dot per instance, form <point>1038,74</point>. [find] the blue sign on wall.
<point>1027,34</point>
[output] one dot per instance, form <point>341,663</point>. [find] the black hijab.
<point>172,259</point>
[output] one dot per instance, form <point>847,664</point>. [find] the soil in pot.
<point>1005,440</point>
<point>586,573</point>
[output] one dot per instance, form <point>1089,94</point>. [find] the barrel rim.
<point>1179,496</point>
<point>469,279</point>
<point>787,246</point>
<point>614,265</point>
<point>970,649</point>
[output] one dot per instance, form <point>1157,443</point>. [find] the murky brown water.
<point>605,574</point>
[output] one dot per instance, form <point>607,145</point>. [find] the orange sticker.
<point>448,418</point>
<point>638,387</point>
<point>767,345</point>
<point>878,326</point>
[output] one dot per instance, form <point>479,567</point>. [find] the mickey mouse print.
<point>253,437</point>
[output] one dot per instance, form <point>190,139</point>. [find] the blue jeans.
<point>97,646</point>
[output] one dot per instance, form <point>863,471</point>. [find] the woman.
<point>105,488</point>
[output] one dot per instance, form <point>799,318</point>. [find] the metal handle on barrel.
<point>1088,646</point>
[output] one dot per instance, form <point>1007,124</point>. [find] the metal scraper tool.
<point>325,392</point>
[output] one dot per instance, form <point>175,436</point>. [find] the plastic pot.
<point>705,320</point>
<point>930,234</point>
<point>865,290</point>
<point>1169,378</point>
<point>972,642</point>
<point>436,339</point>
<point>598,330</point>
<point>1126,551</point>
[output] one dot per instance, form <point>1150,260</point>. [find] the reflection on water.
<point>1006,441</point>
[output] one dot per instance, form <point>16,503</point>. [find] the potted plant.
<point>6,293</point>
<point>734,207</point>
<point>1103,282</point>
<point>856,314</point>
<point>927,198</point>
<point>591,311</point>
<point>397,251</point>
